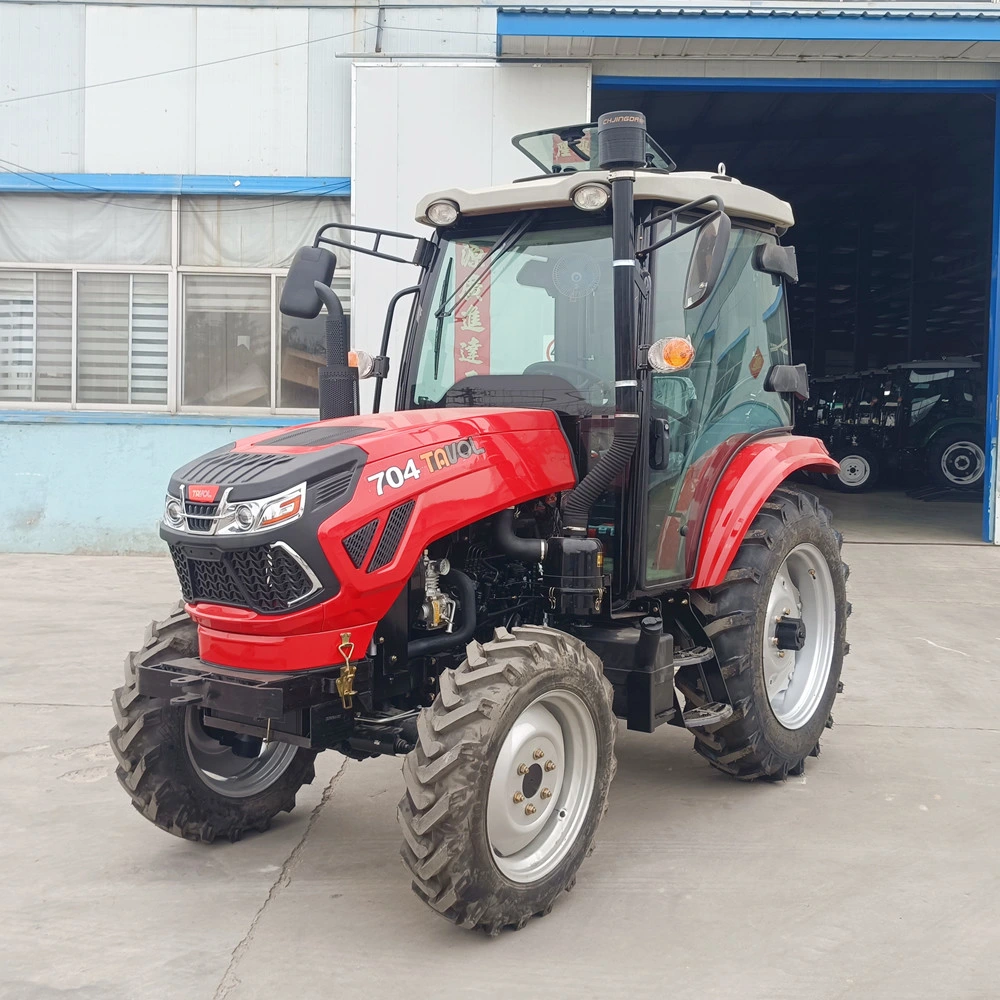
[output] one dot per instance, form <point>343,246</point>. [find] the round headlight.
<point>591,197</point>
<point>173,513</point>
<point>442,213</point>
<point>244,516</point>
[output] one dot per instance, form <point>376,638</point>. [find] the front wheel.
<point>777,624</point>
<point>179,772</point>
<point>509,779</point>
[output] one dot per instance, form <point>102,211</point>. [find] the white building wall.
<point>182,89</point>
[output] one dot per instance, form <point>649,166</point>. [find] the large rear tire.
<point>509,779</point>
<point>786,587</point>
<point>177,773</point>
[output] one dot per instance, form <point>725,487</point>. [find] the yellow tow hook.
<point>345,682</point>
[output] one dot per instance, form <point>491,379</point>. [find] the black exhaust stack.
<point>621,144</point>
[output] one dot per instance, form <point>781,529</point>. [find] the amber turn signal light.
<point>671,354</point>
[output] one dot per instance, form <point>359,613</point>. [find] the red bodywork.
<point>748,480</point>
<point>524,454</point>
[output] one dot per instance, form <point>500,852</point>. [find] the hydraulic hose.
<point>576,507</point>
<point>528,549</point>
<point>465,590</point>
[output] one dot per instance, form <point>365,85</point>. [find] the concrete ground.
<point>876,875</point>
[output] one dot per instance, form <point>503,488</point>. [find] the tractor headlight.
<point>258,515</point>
<point>591,197</point>
<point>173,512</point>
<point>442,213</point>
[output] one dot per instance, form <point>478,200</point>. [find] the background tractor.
<point>579,510</point>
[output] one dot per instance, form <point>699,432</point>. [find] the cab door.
<point>715,405</point>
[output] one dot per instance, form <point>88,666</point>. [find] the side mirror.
<point>707,258</point>
<point>659,444</point>
<point>299,297</point>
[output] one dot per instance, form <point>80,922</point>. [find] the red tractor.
<point>581,509</point>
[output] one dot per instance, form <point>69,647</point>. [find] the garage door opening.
<point>892,194</point>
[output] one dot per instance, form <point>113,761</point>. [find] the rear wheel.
<point>777,624</point>
<point>859,471</point>
<point>509,779</point>
<point>178,773</point>
<point>956,460</point>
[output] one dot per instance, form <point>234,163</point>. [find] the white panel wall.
<point>333,34</point>
<point>420,127</point>
<point>148,124</point>
<point>41,51</point>
<point>252,111</point>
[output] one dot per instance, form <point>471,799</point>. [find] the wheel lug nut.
<point>774,640</point>
<point>538,754</point>
<point>529,810</point>
<point>518,796</point>
<point>522,768</point>
<point>550,765</point>
<point>546,793</point>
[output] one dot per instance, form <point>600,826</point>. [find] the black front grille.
<point>264,578</point>
<point>358,542</point>
<point>395,527</point>
<point>199,515</point>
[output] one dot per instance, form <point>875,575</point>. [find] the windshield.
<point>542,304</point>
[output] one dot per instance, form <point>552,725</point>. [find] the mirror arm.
<point>423,254</point>
<point>383,350</point>
<point>684,230</point>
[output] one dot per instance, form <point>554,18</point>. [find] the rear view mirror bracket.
<point>675,233</point>
<point>423,253</point>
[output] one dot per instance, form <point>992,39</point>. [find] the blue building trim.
<point>802,25</point>
<point>993,355</point>
<point>186,184</point>
<point>133,418</point>
<point>741,85</point>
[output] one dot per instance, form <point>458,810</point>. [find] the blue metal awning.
<point>884,30</point>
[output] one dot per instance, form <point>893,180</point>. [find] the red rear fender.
<point>749,479</point>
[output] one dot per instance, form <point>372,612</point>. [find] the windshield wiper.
<point>507,239</point>
<point>440,318</point>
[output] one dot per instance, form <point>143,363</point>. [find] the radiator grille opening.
<point>395,528</point>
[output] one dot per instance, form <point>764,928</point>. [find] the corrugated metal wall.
<point>277,100</point>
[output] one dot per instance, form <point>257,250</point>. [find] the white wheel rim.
<point>854,470</point>
<point>796,679</point>
<point>962,463</point>
<point>541,786</point>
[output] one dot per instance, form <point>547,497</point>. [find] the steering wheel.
<point>579,378</point>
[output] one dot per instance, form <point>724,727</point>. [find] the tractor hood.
<point>378,490</point>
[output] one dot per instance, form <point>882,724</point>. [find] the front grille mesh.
<point>395,527</point>
<point>264,578</point>
<point>206,511</point>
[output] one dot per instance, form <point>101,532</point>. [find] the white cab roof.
<point>678,188</point>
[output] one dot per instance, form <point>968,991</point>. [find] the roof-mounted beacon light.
<point>621,140</point>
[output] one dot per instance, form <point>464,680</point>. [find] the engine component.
<point>438,610</point>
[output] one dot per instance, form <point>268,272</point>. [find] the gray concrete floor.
<point>876,875</point>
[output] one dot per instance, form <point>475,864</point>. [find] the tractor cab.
<point>581,509</point>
